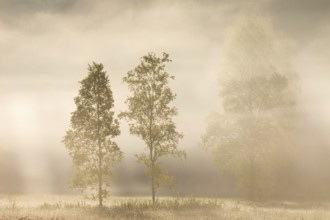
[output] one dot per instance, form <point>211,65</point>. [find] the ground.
<point>51,207</point>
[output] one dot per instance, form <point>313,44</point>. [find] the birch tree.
<point>90,139</point>
<point>150,116</point>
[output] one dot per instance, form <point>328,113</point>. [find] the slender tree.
<point>150,116</point>
<point>90,137</point>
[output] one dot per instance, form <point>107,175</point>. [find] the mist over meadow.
<point>47,45</point>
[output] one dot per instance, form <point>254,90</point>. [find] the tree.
<point>150,115</point>
<point>258,99</point>
<point>90,138</point>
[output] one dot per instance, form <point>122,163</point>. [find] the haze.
<point>46,46</point>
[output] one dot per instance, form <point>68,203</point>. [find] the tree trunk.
<point>100,177</point>
<point>152,152</point>
<point>152,178</point>
<point>252,178</point>
<point>100,152</point>
<point>153,188</point>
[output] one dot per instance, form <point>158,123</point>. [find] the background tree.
<point>90,138</point>
<point>150,115</point>
<point>258,102</point>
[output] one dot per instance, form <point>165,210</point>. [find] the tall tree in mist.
<point>150,116</point>
<point>257,94</point>
<point>90,138</point>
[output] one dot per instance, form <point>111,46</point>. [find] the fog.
<point>46,46</point>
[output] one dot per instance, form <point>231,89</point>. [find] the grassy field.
<point>75,207</point>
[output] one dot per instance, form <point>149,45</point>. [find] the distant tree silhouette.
<point>258,97</point>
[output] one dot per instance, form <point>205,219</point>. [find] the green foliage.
<point>90,138</point>
<point>150,115</point>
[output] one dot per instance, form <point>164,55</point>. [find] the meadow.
<point>62,207</point>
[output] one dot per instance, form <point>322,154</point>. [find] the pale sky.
<point>45,47</point>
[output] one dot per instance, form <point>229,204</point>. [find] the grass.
<point>78,208</point>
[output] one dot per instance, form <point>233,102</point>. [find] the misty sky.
<point>45,47</point>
